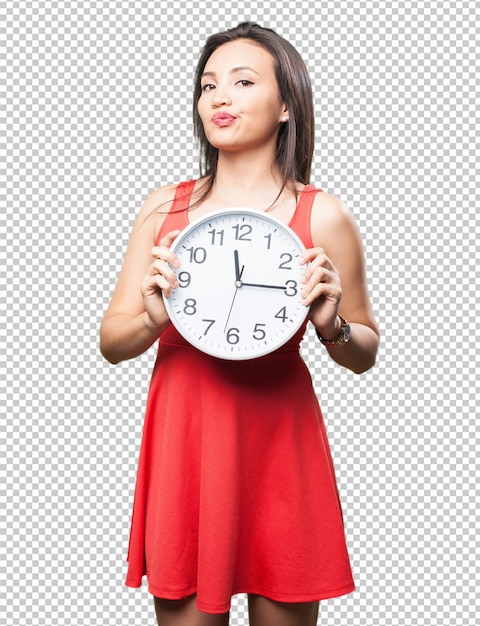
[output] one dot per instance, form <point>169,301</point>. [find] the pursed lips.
<point>221,118</point>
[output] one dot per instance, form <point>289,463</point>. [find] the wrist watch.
<point>343,336</point>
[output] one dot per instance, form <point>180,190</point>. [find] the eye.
<point>244,82</point>
<point>208,87</point>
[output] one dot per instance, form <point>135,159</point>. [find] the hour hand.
<point>238,271</point>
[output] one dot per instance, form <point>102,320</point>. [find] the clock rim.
<point>191,226</point>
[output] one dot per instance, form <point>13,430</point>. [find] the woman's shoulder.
<point>331,218</point>
<point>159,200</point>
<point>328,207</point>
<point>153,211</point>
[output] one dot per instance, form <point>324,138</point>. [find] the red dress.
<point>236,490</point>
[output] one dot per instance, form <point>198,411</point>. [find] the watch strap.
<point>341,339</point>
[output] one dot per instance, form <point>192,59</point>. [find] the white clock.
<point>239,284</point>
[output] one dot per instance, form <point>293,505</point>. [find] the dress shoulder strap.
<point>177,217</point>
<point>300,222</point>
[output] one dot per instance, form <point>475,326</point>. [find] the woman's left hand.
<point>322,290</point>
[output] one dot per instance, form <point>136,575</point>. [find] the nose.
<point>221,97</point>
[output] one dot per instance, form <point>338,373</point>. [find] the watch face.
<point>239,284</point>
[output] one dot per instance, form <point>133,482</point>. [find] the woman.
<point>236,490</point>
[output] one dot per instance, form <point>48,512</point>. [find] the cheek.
<point>271,109</point>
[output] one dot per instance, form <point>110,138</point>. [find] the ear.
<point>284,116</point>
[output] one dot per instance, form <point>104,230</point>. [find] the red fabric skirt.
<point>236,490</point>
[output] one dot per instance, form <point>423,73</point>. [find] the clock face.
<point>239,284</point>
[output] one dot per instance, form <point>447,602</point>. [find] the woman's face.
<point>240,106</point>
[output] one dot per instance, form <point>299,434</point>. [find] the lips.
<point>221,118</point>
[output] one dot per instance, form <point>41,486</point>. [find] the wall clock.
<point>239,284</point>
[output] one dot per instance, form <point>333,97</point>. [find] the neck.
<point>251,178</point>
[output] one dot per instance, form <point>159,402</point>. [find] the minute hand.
<point>283,287</point>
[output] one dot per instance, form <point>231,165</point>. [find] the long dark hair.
<point>295,142</point>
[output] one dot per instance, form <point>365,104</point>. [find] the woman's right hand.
<point>159,278</point>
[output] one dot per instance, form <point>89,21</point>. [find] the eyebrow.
<point>233,71</point>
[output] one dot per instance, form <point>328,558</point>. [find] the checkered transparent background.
<point>95,102</point>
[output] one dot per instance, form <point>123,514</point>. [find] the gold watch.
<point>343,336</point>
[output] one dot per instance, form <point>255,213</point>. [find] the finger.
<point>317,278</point>
<point>163,269</point>
<point>155,284</point>
<point>165,254</point>
<point>327,291</point>
<point>162,251</point>
<point>164,285</point>
<point>315,257</point>
<point>321,270</point>
<point>310,254</point>
<point>169,238</point>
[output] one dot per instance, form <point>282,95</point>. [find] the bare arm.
<point>136,316</point>
<point>335,283</point>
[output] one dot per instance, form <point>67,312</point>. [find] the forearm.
<point>123,336</point>
<point>360,352</point>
